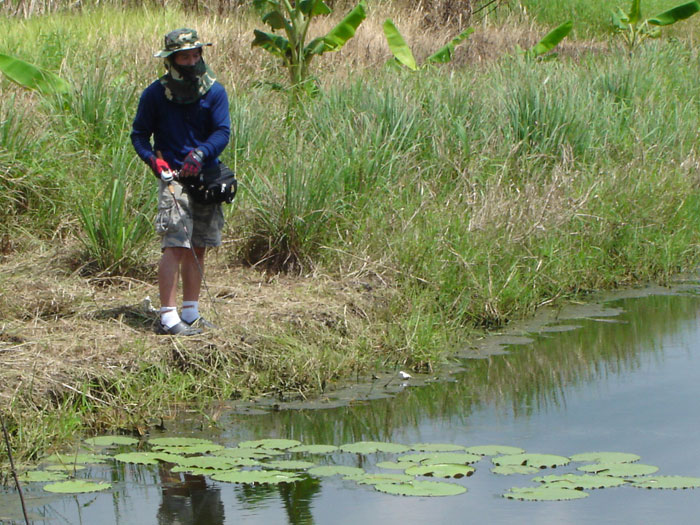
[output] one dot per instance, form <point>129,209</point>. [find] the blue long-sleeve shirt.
<point>179,128</point>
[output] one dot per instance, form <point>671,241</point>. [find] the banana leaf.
<point>635,12</point>
<point>672,16</point>
<point>275,20</point>
<point>32,77</point>
<point>398,46</point>
<point>550,41</point>
<point>444,54</point>
<point>345,30</point>
<point>275,44</point>
<point>314,7</point>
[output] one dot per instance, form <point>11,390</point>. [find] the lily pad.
<point>314,449</point>
<point>374,479</point>
<point>289,464</point>
<point>494,450</point>
<point>208,462</point>
<point>430,458</point>
<point>257,477</point>
<point>108,441</point>
<point>441,470</point>
<point>65,468</point>
<point>275,444</point>
<point>178,442</point>
<point>39,476</point>
<point>196,471</point>
<point>605,457</point>
<point>507,470</point>
<point>81,459</point>
<point>531,460</point>
<point>202,448</point>
<point>395,465</point>
<point>580,482</point>
<point>619,470</point>
<point>667,482</point>
<point>333,470</point>
<point>146,458</point>
<point>545,493</point>
<point>255,453</point>
<point>421,488</point>
<point>77,486</point>
<point>371,447</point>
<point>436,447</point>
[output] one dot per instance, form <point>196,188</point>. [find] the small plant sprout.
<point>403,56</point>
<point>634,28</point>
<point>294,18</point>
<point>541,49</point>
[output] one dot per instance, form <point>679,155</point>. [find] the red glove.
<point>158,166</point>
<point>192,164</point>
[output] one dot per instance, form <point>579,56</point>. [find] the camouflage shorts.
<point>203,222</point>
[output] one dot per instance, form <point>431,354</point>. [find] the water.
<point>626,384</point>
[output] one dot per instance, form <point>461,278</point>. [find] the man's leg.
<point>192,274</point>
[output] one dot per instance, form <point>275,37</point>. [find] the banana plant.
<point>31,77</point>
<point>294,18</point>
<point>403,56</point>
<point>549,42</point>
<point>634,28</point>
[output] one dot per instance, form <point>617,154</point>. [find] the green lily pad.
<point>255,453</point>
<point>545,493</point>
<point>371,447</point>
<point>202,448</point>
<point>77,486</point>
<point>196,471</point>
<point>507,470</point>
<point>146,458</point>
<point>619,470</point>
<point>494,450</point>
<point>605,457</point>
<point>333,470</point>
<point>208,462</point>
<point>373,479</point>
<point>256,477</point>
<point>65,468</point>
<point>314,449</point>
<point>289,464</point>
<point>421,488</point>
<point>81,459</point>
<point>108,441</point>
<point>667,482</point>
<point>531,460</point>
<point>178,442</point>
<point>39,476</point>
<point>436,447</point>
<point>396,465</point>
<point>441,470</point>
<point>431,458</point>
<point>580,482</point>
<point>275,444</point>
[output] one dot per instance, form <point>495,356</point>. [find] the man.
<point>186,112</point>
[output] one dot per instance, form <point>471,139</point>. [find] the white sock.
<point>190,311</point>
<point>168,316</point>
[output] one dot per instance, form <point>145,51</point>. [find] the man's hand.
<point>159,166</point>
<point>192,164</point>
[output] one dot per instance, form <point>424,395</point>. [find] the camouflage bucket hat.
<point>180,40</point>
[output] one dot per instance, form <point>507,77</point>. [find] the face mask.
<point>191,73</point>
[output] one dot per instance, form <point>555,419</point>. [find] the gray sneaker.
<point>201,323</point>
<point>181,328</point>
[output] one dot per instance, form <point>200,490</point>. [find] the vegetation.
<point>429,205</point>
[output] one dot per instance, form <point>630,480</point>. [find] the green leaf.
<point>398,46</point>
<point>441,470</point>
<point>444,54</point>
<point>545,493</point>
<point>430,458</point>
<point>108,441</point>
<point>676,14</point>
<point>32,77</point>
<point>371,447</point>
<point>77,486</point>
<point>635,14</point>
<point>275,44</point>
<point>39,476</point>
<point>494,450</point>
<point>532,460</point>
<point>333,470</point>
<point>314,449</point>
<point>507,470</point>
<point>209,462</point>
<point>255,453</point>
<point>437,447</point>
<point>393,465</point>
<point>580,482</point>
<point>606,457</point>
<point>272,444</point>
<point>345,30</point>
<point>421,488</point>
<point>70,459</point>
<point>65,468</point>
<point>314,7</point>
<point>667,482</point>
<point>289,464</point>
<point>262,477</point>
<point>202,448</point>
<point>275,20</point>
<point>178,442</point>
<point>374,479</point>
<point>550,41</point>
<point>146,458</point>
<point>619,470</point>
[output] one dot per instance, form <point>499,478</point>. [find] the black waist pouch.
<point>213,185</point>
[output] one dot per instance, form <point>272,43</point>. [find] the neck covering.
<point>186,84</point>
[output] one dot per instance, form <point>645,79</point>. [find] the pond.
<point>622,378</point>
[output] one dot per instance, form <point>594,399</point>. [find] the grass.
<point>432,206</point>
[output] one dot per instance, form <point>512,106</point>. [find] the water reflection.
<point>188,500</point>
